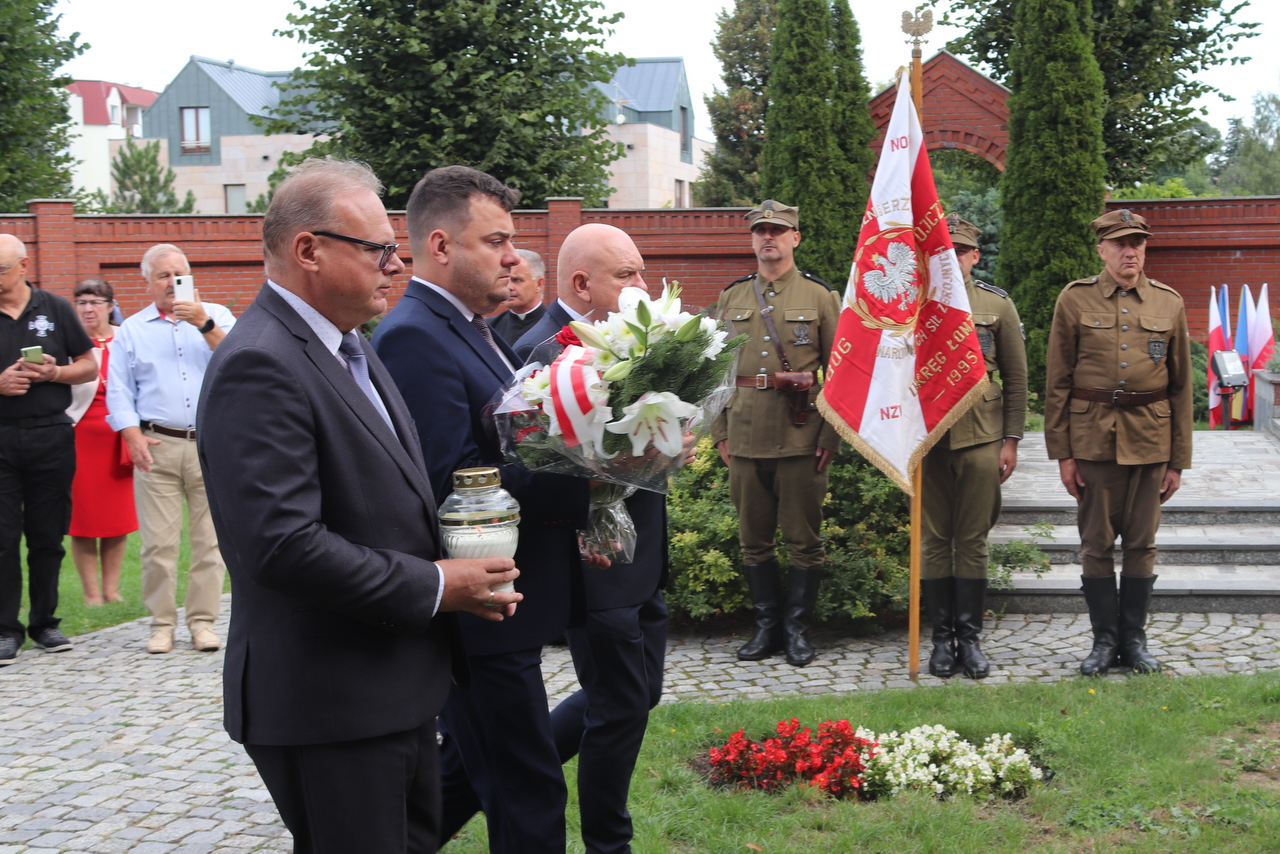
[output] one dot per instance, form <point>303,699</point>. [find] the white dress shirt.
<point>466,315</point>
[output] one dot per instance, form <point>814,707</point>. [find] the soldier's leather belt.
<point>786,381</point>
<point>1121,398</point>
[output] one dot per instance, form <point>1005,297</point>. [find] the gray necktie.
<point>359,367</point>
<point>483,327</point>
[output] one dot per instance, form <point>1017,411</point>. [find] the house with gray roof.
<point>651,114</point>
<point>202,120</point>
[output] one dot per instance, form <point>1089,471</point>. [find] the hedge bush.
<point>866,529</point>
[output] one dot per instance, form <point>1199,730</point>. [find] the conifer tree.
<point>1053,181</point>
<point>851,121</point>
<point>143,184</point>
<point>802,164</point>
<point>730,175</point>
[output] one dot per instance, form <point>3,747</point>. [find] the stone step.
<point>1217,511</point>
<point>1179,545</point>
<point>1235,588</point>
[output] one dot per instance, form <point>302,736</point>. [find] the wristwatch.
<point>208,327</point>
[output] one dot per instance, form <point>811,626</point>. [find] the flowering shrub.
<point>849,763</point>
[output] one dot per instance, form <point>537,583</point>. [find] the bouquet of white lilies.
<point>619,400</point>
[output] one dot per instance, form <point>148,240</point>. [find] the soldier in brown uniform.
<point>963,472</point>
<point>1118,421</point>
<point>771,436</point>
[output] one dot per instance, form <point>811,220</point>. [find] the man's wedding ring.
<point>490,603</point>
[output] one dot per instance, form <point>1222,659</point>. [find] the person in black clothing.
<point>37,447</point>
<point>524,307</point>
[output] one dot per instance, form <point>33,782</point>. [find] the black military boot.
<point>1100,596</point>
<point>938,594</point>
<point>1135,599</point>
<point>765,587</point>
<point>802,596</point>
<point>971,604</point>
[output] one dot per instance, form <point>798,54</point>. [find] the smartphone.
<point>33,354</point>
<point>184,288</point>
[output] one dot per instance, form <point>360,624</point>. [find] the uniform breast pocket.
<point>986,326</point>
<point>800,322</point>
<point>1157,331</point>
<point>738,318</point>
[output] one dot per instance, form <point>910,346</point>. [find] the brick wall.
<point>1197,243</point>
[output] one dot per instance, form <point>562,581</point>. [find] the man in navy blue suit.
<point>498,752</point>
<point>619,653</point>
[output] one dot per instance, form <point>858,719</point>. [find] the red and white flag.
<point>906,361</point>
<point>1262,336</point>
<point>1217,341</point>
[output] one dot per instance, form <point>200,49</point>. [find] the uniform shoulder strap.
<point>811,277</point>
<point>1000,292</point>
<point>745,278</point>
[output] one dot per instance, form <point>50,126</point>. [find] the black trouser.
<point>37,465</point>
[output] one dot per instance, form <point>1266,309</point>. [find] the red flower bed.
<point>835,761</point>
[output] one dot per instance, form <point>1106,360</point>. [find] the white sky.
<point>147,42</point>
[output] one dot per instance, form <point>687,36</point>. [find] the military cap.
<point>777,213</point>
<point>964,234</point>
<point>1115,224</point>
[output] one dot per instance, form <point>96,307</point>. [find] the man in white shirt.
<point>158,360</point>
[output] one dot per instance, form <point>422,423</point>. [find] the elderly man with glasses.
<point>43,351</point>
<point>157,366</point>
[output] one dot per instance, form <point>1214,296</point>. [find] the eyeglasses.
<point>388,249</point>
<point>81,303</point>
<point>4,268</point>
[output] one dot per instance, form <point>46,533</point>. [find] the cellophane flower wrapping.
<point>610,532</point>
<point>613,399</point>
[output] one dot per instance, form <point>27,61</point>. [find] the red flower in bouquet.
<point>568,337</point>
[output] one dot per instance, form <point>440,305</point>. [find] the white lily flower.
<point>718,337</point>
<point>589,335</point>
<point>654,418</point>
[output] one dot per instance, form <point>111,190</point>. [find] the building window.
<point>235,198</point>
<point>115,114</point>
<point>133,121</point>
<point>681,200</point>
<point>684,128</point>
<point>195,130</point>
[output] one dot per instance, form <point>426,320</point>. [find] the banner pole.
<point>913,621</point>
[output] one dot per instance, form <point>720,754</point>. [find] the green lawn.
<point>1139,765</point>
<point>77,618</point>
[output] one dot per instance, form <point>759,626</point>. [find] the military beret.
<point>1115,224</point>
<point>964,234</point>
<point>773,212</point>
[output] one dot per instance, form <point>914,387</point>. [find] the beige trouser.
<point>772,494</point>
<point>960,502</point>
<point>1119,500</point>
<point>175,475</point>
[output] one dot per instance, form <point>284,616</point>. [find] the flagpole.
<point>916,26</point>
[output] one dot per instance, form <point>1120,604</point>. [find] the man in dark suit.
<point>524,307</point>
<point>618,654</point>
<point>339,657</point>
<point>448,365</point>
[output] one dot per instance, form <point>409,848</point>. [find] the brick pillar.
<point>563,216</point>
<point>55,245</point>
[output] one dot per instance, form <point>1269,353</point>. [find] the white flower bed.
<point>936,759</point>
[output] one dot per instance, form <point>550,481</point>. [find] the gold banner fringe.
<point>903,480</point>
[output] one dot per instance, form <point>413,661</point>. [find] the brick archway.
<point>963,109</point>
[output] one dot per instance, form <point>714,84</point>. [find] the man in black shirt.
<point>37,447</point>
<point>524,307</point>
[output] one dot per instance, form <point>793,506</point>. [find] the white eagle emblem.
<point>897,281</point>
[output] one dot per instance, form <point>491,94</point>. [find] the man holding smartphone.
<point>43,350</point>
<point>158,360</point>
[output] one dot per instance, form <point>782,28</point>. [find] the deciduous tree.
<point>501,86</point>
<point>1151,54</point>
<point>34,120</point>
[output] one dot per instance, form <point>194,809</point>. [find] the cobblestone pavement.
<point>106,749</point>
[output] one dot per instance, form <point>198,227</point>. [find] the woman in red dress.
<point>102,510</point>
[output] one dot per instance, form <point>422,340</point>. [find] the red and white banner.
<point>1217,341</point>
<point>906,361</point>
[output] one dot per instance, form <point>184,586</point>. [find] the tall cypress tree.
<point>802,163</point>
<point>851,123</point>
<point>1053,182</point>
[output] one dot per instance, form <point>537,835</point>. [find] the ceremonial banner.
<point>1217,341</point>
<point>1262,336</point>
<point>1242,401</point>
<point>906,361</point>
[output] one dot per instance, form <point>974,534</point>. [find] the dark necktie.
<point>359,367</point>
<point>483,328</point>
